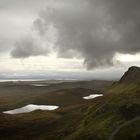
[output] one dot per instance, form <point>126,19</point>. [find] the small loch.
<point>39,85</point>
<point>92,96</point>
<point>30,108</point>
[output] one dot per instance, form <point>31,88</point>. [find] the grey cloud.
<point>93,29</point>
<point>31,6</point>
<point>5,46</point>
<point>28,46</point>
<point>15,18</point>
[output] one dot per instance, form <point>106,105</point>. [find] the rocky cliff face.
<point>131,76</point>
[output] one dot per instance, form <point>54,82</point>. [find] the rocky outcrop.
<point>131,76</point>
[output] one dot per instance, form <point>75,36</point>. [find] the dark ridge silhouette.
<point>131,76</point>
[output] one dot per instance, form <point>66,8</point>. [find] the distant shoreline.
<point>39,80</point>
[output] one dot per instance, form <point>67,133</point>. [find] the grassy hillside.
<point>114,116</point>
<point>96,119</point>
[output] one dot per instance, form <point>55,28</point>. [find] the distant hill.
<point>131,76</point>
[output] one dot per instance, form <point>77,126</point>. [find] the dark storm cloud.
<point>93,29</point>
<point>29,46</point>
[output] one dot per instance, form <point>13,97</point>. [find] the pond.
<point>92,96</point>
<point>30,108</point>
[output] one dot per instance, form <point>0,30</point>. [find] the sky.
<point>71,39</point>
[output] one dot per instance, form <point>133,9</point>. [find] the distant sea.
<point>14,80</point>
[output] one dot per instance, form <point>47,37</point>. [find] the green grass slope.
<point>99,119</point>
